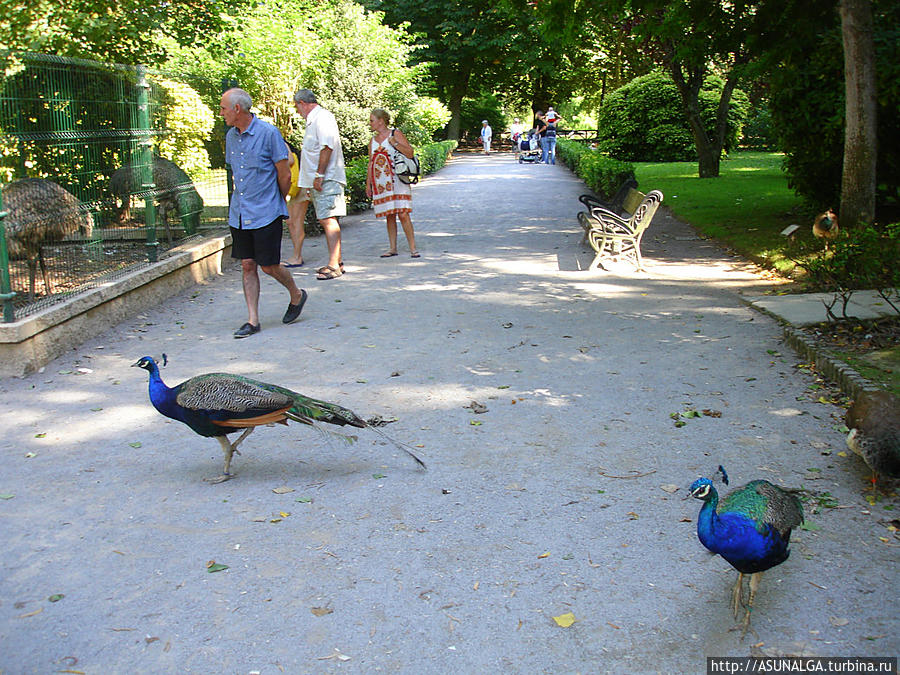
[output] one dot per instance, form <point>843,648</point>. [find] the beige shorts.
<point>329,203</point>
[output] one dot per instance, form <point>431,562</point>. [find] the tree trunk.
<point>454,104</point>
<point>689,91</point>
<point>860,144</point>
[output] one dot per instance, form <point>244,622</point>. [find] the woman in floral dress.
<point>391,197</point>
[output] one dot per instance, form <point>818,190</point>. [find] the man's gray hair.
<point>240,98</point>
<point>304,95</point>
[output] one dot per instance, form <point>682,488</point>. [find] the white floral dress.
<point>390,195</point>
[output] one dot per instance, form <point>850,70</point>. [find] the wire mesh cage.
<point>98,174</point>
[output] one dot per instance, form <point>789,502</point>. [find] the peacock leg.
<point>228,449</point>
<point>737,595</point>
<point>241,437</point>
<point>755,578</point>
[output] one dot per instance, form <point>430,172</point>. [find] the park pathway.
<point>564,496</point>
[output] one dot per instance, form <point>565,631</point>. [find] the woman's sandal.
<point>414,254</point>
<point>389,254</point>
<point>321,270</point>
<point>328,273</point>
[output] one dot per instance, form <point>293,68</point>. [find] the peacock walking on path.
<point>218,404</point>
<point>750,528</point>
<point>874,423</point>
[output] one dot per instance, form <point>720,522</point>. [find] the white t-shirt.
<point>321,131</point>
<point>516,128</point>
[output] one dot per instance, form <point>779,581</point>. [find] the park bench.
<point>626,200</point>
<point>627,191</point>
<point>614,237</point>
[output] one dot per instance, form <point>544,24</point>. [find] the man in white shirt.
<point>486,136</point>
<point>322,180</point>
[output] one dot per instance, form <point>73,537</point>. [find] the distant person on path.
<point>322,180</point>
<point>540,126</point>
<point>548,140</point>
<point>515,135</point>
<point>486,136</point>
<point>258,158</point>
<point>296,213</point>
<point>391,197</point>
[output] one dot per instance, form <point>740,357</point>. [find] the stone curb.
<point>851,382</point>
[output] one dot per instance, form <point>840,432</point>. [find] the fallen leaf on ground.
<point>321,611</point>
<point>283,490</point>
<point>213,566</point>
<point>564,620</point>
<point>544,555</point>
<point>34,613</point>
<point>837,623</point>
<point>56,597</point>
<point>336,655</point>
<point>669,487</point>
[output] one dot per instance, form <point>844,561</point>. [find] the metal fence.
<point>86,193</point>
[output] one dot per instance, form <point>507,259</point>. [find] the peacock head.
<point>149,363</point>
<point>703,489</point>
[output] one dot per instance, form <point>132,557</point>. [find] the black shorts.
<point>263,244</point>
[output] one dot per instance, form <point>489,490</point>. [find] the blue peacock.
<point>750,528</point>
<point>218,404</point>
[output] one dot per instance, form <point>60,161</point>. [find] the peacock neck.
<point>706,521</point>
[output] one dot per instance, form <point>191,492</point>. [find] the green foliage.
<point>486,107</point>
<point>645,120</point>
<point>601,174</point>
<point>759,134</point>
<point>861,258</point>
<point>345,55</point>
<point>188,123</point>
<point>422,119</point>
<point>807,102</point>
<point>117,31</point>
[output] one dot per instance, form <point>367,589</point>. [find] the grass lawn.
<point>746,207</point>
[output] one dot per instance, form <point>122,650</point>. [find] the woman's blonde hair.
<point>383,115</point>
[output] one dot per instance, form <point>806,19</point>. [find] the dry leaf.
<point>34,613</point>
<point>544,555</point>
<point>669,487</point>
<point>336,655</point>
<point>283,490</point>
<point>564,620</point>
<point>837,623</point>
<point>321,611</point>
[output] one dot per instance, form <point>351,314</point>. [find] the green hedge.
<point>601,174</point>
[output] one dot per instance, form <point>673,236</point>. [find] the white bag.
<point>407,169</point>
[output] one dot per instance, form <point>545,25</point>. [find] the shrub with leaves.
<point>644,120</point>
<point>188,122</point>
<point>861,258</point>
<point>601,174</point>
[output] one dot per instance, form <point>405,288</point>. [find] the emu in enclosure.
<point>40,212</point>
<point>174,191</point>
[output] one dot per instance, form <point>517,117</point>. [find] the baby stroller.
<point>529,148</point>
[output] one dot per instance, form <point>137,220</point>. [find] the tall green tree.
<point>123,31</point>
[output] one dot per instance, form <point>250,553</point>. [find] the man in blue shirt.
<point>259,165</point>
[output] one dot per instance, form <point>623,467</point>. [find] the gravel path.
<point>565,496</point>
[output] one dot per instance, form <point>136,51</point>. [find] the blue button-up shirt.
<point>256,201</point>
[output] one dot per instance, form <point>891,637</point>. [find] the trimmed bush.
<point>601,174</point>
<point>643,121</point>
